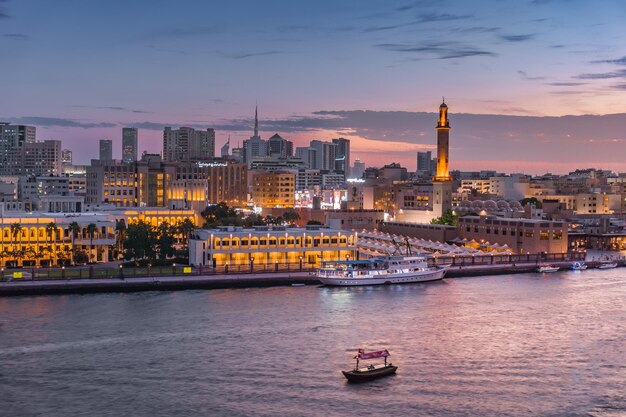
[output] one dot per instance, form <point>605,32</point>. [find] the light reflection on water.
<point>529,344</point>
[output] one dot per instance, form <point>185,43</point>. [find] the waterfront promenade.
<point>229,279</point>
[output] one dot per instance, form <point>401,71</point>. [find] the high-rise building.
<point>188,144</point>
<point>66,157</point>
<point>424,160</point>
<point>358,169</point>
<point>106,150</point>
<point>308,155</point>
<point>324,155</point>
<point>129,145</point>
<point>12,140</point>
<point>342,156</point>
<point>41,158</point>
<point>279,147</point>
<point>224,151</point>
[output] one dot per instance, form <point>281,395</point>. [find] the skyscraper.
<point>342,156</point>
<point>106,150</point>
<point>358,169</point>
<point>224,152</point>
<point>12,140</point>
<point>279,147</point>
<point>188,144</point>
<point>324,155</point>
<point>129,145</point>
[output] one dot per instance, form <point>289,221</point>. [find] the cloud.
<point>619,86</point>
<point>423,18</point>
<point>527,77</point>
<point>16,36</point>
<point>245,55</point>
<point>603,75</point>
<point>115,108</point>
<point>517,38</point>
<point>618,61</point>
<point>440,50</point>
<point>57,122</point>
<point>565,84</point>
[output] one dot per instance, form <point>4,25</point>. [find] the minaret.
<point>443,137</point>
<point>442,182</point>
<point>256,121</point>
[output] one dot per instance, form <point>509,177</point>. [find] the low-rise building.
<point>265,245</point>
<point>521,235</point>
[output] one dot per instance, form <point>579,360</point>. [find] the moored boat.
<point>371,371</point>
<point>579,266</point>
<point>607,265</point>
<point>547,268</point>
<point>379,270</point>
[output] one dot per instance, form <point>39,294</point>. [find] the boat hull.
<point>607,266</point>
<point>407,278</point>
<point>363,376</point>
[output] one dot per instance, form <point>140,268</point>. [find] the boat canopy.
<point>372,355</point>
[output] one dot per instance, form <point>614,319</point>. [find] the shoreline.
<point>226,281</point>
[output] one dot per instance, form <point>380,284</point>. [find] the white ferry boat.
<point>379,270</point>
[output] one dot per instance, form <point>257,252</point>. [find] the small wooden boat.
<point>607,265</point>
<point>579,266</point>
<point>371,371</point>
<point>547,268</point>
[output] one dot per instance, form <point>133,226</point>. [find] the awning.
<point>372,355</point>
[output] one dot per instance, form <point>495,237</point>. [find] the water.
<point>520,345</point>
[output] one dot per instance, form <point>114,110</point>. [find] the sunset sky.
<point>532,85</point>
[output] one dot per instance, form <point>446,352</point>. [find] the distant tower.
<point>256,121</point>
<point>443,137</point>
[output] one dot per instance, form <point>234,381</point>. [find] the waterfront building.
<point>188,144</point>
<point>111,182</point>
<point>273,189</point>
<point>106,150</point>
<point>523,236</point>
<point>43,238</point>
<point>267,246</point>
<point>129,145</point>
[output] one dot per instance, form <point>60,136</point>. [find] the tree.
<point>120,229</point>
<point>16,229</point>
<point>74,229</point>
<point>184,229</point>
<point>221,215</point>
<point>291,216</point>
<point>91,232</point>
<point>51,231</point>
<point>164,240</point>
<point>448,218</point>
<point>531,200</point>
<point>139,241</point>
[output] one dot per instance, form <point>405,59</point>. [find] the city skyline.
<point>527,89</point>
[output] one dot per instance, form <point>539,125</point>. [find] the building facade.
<point>268,246</point>
<point>129,145</point>
<point>188,144</point>
<point>106,150</point>
<point>273,189</point>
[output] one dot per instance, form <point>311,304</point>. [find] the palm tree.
<point>120,228</point>
<point>16,229</point>
<point>91,231</point>
<point>74,230</point>
<point>185,228</point>
<point>51,231</point>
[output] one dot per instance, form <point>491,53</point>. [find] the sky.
<point>532,85</point>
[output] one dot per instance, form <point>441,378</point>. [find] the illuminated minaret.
<point>443,136</point>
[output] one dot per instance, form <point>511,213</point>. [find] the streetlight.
<point>251,263</point>
<point>300,257</point>
<point>121,269</point>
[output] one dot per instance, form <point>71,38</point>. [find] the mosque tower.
<point>443,138</point>
<point>442,182</point>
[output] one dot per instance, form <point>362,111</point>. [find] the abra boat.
<point>607,265</point>
<point>579,266</point>
<point>379,270</point>
<point>547,268</point>
<point>371,371</point>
